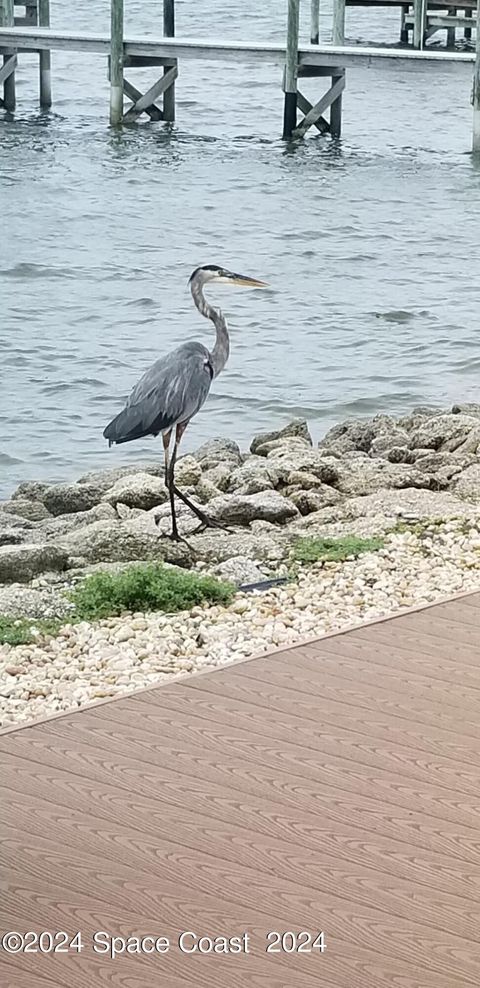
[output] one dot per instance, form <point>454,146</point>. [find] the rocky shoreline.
<point>366,477</point>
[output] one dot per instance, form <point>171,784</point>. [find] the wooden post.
<point>338,38</point>
<point>419,23</point>
<point>116,63</point>
<point>315,22</point>
<point>403,27</point>
<point>291,70</point>
<point>169,32</point>
<point>45,57</point>
<point>476,88</point>
<point>7,20</point>
<point>452,11</point>
<point>468,30</point>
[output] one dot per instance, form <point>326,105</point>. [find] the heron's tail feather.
<point>125,427</point>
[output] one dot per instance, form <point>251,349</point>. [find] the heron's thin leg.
<point>205,519</point>
<point>169,483</point>
<point>166,443</point>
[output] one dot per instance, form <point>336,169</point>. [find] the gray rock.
<point>220,475</point>
<point>418,416</point>
<point>241,509</point>
<point>298,427</point>
<point>347,436</point>
<point>467,484</point>
<point>25,508</point>
<point>364,476</point>
<point>239,570</point>
<point>294,444</point>
<point>375,435</point>
<point>386,441</point>
<point>205,491</point>
<point>22,601</point>
<point>103,479</point>
<point>20,563</point>
<point>31,490</point>
<point>383,510</point>
<point>217,452</point>
<point>9,521</point>
<point>188,472</point>
<point>444,432</point>
<point>471,444</point>
<point>122,542</point>
<point>63,499</point>
<point>253,476</point>
<point>401,454</point>
<point>471,408</point>
<point>13,536</point>
<point>56,528</point>
<point>287,461</point>
<point>218,547</point>
<point>302,480</point>
<point>140,490</point>
<point>313,500</point>
<point>446,465</point>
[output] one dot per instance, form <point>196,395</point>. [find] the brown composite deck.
<point>334,786</point>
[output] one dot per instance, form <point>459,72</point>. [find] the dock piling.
<point>476,88</point>
<point>45,57</point>
<point>291,70</point>
<point>169,32</point>
<point>7,73</point>
<point>116,63</point>
<point>338,38</point>
<point>315,22</point>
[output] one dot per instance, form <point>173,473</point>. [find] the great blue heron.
<point>174,389</point>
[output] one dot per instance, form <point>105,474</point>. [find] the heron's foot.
<point>205,520</point>
<point>175,536</point>
<point>208,522</point>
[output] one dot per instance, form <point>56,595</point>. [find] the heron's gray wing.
<point>171,391</point>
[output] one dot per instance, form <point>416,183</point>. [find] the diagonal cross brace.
<point>134,94</point>
<point>305,106</point>
<point>316,111</point>
<point>152,94</point>
<point>9,67</point>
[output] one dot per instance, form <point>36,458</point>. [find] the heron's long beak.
<point>242,280</point>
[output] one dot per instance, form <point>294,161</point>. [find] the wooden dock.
<point>330,788</point>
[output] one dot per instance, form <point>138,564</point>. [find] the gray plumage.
<point>170,392</point>
<point>174,389</point>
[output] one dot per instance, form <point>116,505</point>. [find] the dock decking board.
<point>333,786</point>
<point>47,39</point>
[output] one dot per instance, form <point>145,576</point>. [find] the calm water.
<point>372,247</point>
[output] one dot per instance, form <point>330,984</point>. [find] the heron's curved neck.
<point>221,349</point>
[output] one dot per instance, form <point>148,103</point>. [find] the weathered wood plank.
<point>45,57</point>
<point>442,20</point>
<point>152,94</point>
<point>8,67</point>
<point>134,94</point>
<point>338,38</point>
<point>315,22</point>
<point>33,39</point>
<point>7,17</point>
<point>476,89</point>
<point>116,62</point>
<point>316,111</point>
<point>322,125</point>
<point>291,69</point>
<point>169,32</point>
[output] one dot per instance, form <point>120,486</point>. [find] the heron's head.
<point>213,273</point>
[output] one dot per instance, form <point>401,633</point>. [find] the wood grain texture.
<point>36,39</point>
<point>334,786</point>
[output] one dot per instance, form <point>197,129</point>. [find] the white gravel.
<point>116,656</point>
